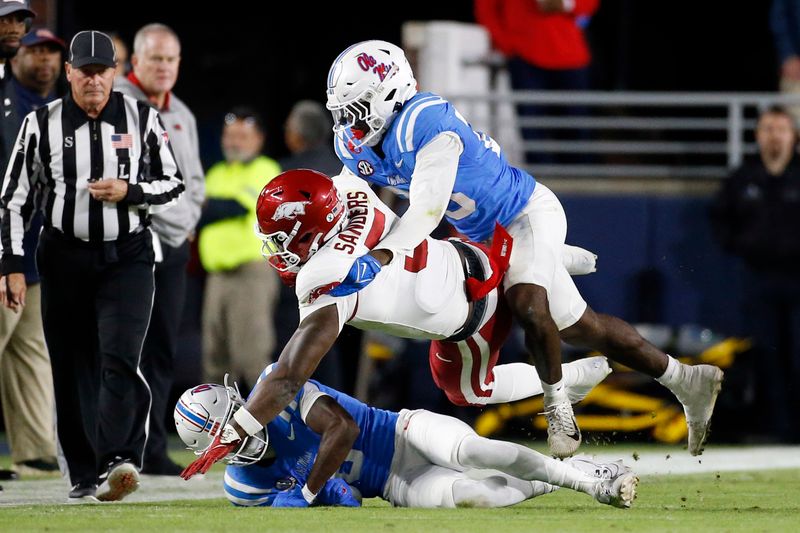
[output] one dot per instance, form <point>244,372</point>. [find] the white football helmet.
<point>367,85</point>
<point>202,412</point>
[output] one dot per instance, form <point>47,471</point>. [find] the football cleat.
<point>121,480</point>
<point>563,435</point>
<point>598,470</point>
<point>618,491</point>
<point>698,393</point>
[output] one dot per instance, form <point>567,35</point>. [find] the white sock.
<point>555,393</point>
<point>498,490</point>
<point>515,381</point>
<point>672,376</point>
<point>494,491</point>
<point>522,463</point>
<point>570,373</point>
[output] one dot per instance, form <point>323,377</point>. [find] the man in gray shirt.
<point>155,61</point>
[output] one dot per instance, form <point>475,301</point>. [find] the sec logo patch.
<point>365,168</point>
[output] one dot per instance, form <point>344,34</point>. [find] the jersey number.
<point>419,260</point>
<point>350,470</point>
<point>466,206</point>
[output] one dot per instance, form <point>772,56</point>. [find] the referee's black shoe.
<point>83,493</point>
<point>163,467</point>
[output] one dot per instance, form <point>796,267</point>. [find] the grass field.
<point>740,501</point>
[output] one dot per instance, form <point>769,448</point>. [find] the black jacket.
<point>10,120</point>
<point>757,216</point>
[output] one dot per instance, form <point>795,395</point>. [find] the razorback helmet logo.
<point>290,210</point>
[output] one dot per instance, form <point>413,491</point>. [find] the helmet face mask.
<point>367,85</point>
<point>274,249</point>
<point>354,115</point>
<point>298,212</point>
<point>202,412</point>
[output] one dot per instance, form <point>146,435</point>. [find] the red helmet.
<point>298,211</point>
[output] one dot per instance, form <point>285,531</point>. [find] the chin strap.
<point>499,257</point>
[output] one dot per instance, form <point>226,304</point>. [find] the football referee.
<point>94,161</point>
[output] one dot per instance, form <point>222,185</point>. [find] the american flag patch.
<point>121,140</point>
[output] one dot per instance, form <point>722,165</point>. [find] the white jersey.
<point>420,296</point>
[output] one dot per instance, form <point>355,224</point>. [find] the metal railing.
<point>625,134</point>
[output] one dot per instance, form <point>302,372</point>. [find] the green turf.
<point>763,501</point>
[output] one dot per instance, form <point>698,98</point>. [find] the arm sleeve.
<point>429,193</point>
<point>311,394</point>
<point>345,307</point>
<point>18,197</point>
<point>165,183</point>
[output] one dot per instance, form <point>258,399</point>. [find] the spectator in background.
<point>26,380</point>
<point>307,132</point>
<point>756,215</point>
<point>13,15</point>
<point>785,24</point>
<point>156,59</point>
<point>123,63</point>
<point>545,46</point>
<point>241,291</point>
<point>37,69</point>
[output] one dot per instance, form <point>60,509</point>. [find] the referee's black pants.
<point>96,303</point>
<point>160,346</point>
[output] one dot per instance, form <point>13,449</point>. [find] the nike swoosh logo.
<point>398,164</point>
<point>363,271</point>
<point>291,432</point>
<point>440,358</point>
<point>575,436</point>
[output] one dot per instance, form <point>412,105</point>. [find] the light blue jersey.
<point>487,188</point>
<point>294,447</point>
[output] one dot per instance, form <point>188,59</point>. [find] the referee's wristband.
<point>247,422</point>
<point>308,495</point>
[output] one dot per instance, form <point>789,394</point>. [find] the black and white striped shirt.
<point>59,149</point>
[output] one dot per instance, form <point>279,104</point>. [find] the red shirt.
<point>546,40</point>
